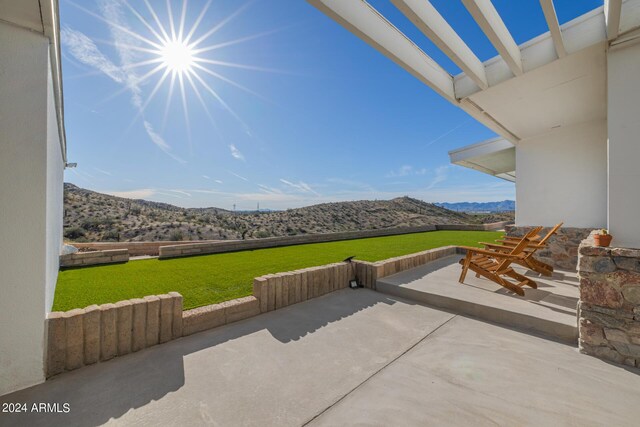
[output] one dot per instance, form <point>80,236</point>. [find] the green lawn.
<point>210,279</point>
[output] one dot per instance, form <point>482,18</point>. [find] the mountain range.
<point>484,207</point>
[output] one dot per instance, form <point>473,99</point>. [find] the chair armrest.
<point>496,246</point>
<point>494,254</point>
<point>531,245</point>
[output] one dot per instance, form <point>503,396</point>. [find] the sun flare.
<point>177,56</point>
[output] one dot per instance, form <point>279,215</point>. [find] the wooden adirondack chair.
<point>496,265</point>
<point>529,261</point>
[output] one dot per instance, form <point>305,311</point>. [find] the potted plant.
<point>602,238</point>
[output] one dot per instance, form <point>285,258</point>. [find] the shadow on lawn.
<point>108,390</point>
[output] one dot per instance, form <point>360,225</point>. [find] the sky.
<point>284,107</point>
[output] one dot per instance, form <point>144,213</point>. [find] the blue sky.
<point>293,111</point>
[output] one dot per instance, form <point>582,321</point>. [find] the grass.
<point>210,279</point>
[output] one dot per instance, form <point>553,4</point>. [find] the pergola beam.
<point>487,17</point>
<point>612,13</point>
<point>435,27</point>
<point>365,22</point>
<point>554,27</point>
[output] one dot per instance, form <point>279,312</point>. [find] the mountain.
<point>92,216</point>
<point>504,206</point>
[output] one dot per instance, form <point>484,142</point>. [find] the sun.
<point>177,56</point>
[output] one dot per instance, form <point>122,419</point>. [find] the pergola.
<point>564,103</point>
<point>575,95</point>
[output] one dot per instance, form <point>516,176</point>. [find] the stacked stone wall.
<point>562,249</point>
<point>94,334</point>
<point>609,308</point>
<point>81,259</point>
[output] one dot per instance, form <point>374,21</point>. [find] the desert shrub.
<point>261,234</point>
<point>74,232</point>
<point>95,224</point>
<point>176,235</point>
<point>110,236</point>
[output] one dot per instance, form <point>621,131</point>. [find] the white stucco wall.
<point>562,177</point>
<point>30,204</point>
<point>624,145</point>
<point>55,196</point>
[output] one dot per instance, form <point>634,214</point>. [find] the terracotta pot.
<point>603,240</point>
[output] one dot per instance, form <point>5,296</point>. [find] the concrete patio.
<point>550,309</point>
<point>350,357</point>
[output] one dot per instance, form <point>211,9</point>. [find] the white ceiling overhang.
<point>495,157</point>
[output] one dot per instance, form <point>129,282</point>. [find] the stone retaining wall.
<point>136,248</point>
<point>97,333</point>
<point>609,307</point>
<point>562,249</point>
<point>79,259</point>
<point>371,272</point>
<point>272,242</point>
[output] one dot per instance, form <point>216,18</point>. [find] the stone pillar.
<point>74,339</point>
<point>166,318</point>
<point>153,320</point>
<point>609,308</point>
<point>176,325</point>
<point>57,343</point>
<point>124,326</point>
<point>139,324</point>
<point>91,325</point>
<point>108,332</point>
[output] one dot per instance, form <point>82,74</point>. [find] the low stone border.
<point>609,307</point>
<point>211,316</point>
<point>173,251</point>
<point>136,248</point>
<point>98,333</point>
<point>370,272</point>
<point>80,259</point>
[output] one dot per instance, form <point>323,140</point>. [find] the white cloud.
<point>238,176</point>
<point>281,200</point>
<point>104,172</point>
<point>269,190</point>
<point>405,170</point>
<point>301,186</point>
<point>184,193</point>
<point>123,42</point>
<point>160,142</point>
<point>441,175</point>
<point>143,193</point>
<point>236,153</point>
<point>218,181</point>
<point>206,177</point>
<point>347,183</point>
<point>85,50</point>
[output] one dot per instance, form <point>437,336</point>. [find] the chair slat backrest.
<point>519,248</point>
<point>551,232</point>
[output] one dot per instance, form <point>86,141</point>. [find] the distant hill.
<point>504,206</point>
<point>92,216</point>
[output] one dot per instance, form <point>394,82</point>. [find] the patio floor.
<point>350,357</point>
<point>550,309</point>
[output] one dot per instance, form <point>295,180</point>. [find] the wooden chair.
<point>529,261</point>
<point>496,265</point>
